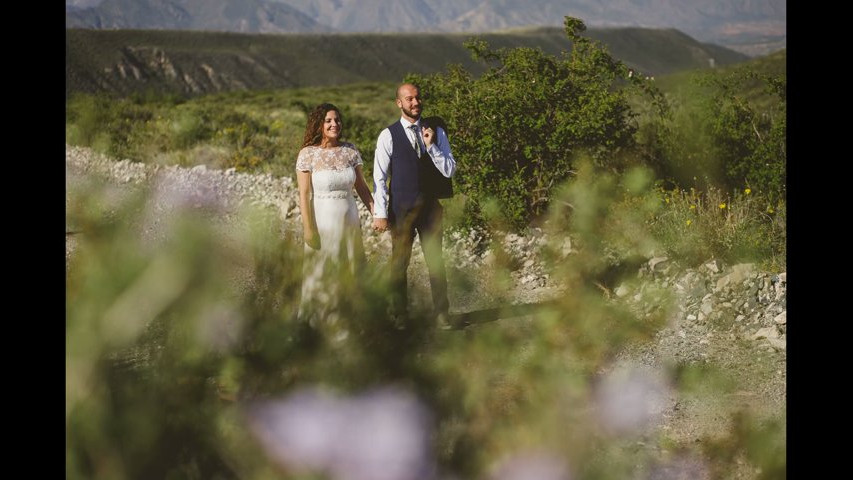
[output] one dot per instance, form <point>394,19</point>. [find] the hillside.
<point>193,62</point>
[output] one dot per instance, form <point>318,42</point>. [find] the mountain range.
<point>753,27</point>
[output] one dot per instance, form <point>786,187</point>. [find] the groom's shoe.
<point>445,322</point>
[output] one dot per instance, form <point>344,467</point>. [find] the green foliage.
<point>723,134</point>
<point>171,338</point>
<point>677,136</point>
<point>249,131</point>
<point>698,226</point>
<point>516,128</point>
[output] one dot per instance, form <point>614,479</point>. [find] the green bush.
<point>516,128</point>
<point>723,133</point>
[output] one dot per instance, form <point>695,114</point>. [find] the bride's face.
<point>331,126</point>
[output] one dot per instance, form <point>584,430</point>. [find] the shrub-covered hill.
<point>192,62</point>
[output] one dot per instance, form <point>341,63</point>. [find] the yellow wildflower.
<point>692,207</point>
<point>747,191</point>
<point>689,222</point>
<point>722,205</point>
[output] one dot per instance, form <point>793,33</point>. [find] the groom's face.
<point>409,101</point>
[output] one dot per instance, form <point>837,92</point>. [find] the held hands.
<point>380,224</point>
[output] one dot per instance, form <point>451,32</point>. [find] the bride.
<point>327,169</point>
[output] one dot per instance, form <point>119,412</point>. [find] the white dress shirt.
<point>439,151</point>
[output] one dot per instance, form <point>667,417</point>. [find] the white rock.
<point>691,317</point>
<point>656,261</point>
<point>713,266</point>
<point>621,291</point>
<point>778,343</point>
<point>742,271</point>
<point>782,318</point>
<point>766,332</point>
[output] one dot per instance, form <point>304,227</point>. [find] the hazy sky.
<point>82,3</point>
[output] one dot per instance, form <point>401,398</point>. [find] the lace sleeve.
<point>355,159</point>
<point>303,161</point>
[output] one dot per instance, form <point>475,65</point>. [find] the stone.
<point>778,343</point>
<point>621,291</point>
<point>766,332</point>
<point>654,262</point>
<point>566,247</point>
<point>713,266</point>
<point>781,319</point>
<point>739,273</point>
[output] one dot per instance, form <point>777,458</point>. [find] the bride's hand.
<point>311,239</point>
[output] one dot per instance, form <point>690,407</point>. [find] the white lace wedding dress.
<point>332,180</point>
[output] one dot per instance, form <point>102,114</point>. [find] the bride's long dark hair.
<point>314,128</point>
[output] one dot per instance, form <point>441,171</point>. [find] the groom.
<point>413,161</point>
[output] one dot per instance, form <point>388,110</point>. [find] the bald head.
<point>409,89</point>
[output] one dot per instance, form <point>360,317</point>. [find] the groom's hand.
<point>380,224</point>
<point>429,136</point>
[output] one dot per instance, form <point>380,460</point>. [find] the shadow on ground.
<point>466,319</point>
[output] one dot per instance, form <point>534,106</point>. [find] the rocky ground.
<point>730,316</point>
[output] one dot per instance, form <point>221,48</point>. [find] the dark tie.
<point>417,144</point>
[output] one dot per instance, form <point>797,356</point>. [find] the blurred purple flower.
<point>380,435</point>
<point>220,327</point>
<point>680,468</point>
<point>532,465</point>
<point>630,398</point>
<point>187,192</point>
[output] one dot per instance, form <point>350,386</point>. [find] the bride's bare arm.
<point>362,189</point>
<point>309,224</point>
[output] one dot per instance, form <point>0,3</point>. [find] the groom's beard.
<point>412,115</point>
